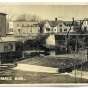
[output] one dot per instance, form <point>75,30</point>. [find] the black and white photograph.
<point>43,43</point>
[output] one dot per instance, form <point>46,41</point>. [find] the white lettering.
<point>5,78</point>
<point>19,78</point>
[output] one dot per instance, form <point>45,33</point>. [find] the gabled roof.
<point>70,23</point>
<point>25,21</point>
<point>7,39</point>
<point>54,23</point>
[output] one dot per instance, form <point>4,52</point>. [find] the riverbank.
<point>49,61</point>
<point>43,70</point>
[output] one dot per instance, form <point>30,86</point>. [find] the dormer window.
<point>60,25</point>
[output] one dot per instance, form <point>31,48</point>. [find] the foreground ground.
<point>26,77</point>
<point>34,71</point>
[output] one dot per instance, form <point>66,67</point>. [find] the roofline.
<point>24,21</point>
<point>30,26</point>
<point>3,13</point>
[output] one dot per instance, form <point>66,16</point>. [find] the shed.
<point>7,44</point>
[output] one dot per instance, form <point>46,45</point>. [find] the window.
<point>19,30</point>
<point>47,29</point>
<point>38,30</point>
<point>11,47</point>
<point>51,29</point>
<point>60,29</point>
<point>27,24</point>
<point>65,29</point>
<point>11,30</point>
<point>22,25</point>
<point>55,29</point>
<point>0,20</point>
<point>5,48</point>
<point>60,25</point>
<point>34,25</point>
<point>17,25</point>
<point>85,29</point>
<point>0,29</point>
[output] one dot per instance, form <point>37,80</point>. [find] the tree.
<point>27,17</point>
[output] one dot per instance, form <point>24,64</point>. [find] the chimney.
<point>73,19</point>
<point>55,19</point>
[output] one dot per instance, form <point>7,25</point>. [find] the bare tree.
<point>21,17</point>
<point>28,17</point>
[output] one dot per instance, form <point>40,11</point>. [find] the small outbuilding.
<point>7,44</point>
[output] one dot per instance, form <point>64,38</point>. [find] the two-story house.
<point>57,26</point>
<point>64,26</point>
<point>49,26</point>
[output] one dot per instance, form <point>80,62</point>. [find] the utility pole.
<point>27,31</point>
<point>75,62</point>
<point>23,49</point>
<point>82,58</point>
<point>67,38</point>
<point>11,46</point>
<point>31,30</point>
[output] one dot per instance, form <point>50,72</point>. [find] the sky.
<point>50,12</point>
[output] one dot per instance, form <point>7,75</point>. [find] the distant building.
<point>57,26</point>
<point>24,27</point>
<point>64,26</point>
<point>29,30</point>
<point>49,27</point>
<point>84,24</point>
<point>3,24</point>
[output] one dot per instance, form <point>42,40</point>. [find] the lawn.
<point>51,61</point>
<point>37,78</point>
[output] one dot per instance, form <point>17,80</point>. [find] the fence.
<point>10,57</point>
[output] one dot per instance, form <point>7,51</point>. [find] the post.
<point>75,66</point>
<point>23,49</point>
<point>11,46</point>
<point>76,39</point>
<point>27,31</point>
<point>87,54</point>
<point>67,38</point>
<point>82,59</point>
<point>11,52</point>
<point>31,30</point>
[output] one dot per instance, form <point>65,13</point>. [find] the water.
<point>56,52</point>
<point>51,52</point>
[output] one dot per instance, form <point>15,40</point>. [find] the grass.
<point>50,61</point>
<point>43,78</point>
<point>37,78</point>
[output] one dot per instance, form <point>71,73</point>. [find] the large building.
<point>24,28</point>
<point>2,24</point>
